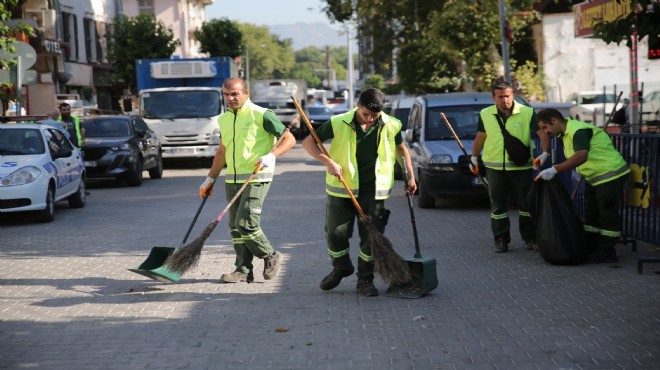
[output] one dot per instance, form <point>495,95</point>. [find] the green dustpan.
<point>423,270</point>
<point>154,266</point>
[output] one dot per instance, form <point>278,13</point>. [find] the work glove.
<point>540,160</point>
<point>206,187</point>
<point>546,174</point>
<point>474,165</point>
<point>268,160</point>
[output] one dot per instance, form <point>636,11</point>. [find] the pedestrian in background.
<point>248,134</point>
<point>589,150</point>
<point>72,122</point>
<point>51,120</point>
<point>365,145</point>
<point>505,178</point>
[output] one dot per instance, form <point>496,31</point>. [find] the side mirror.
<point>408,135</point>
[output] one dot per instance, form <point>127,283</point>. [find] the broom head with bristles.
<point>391,267</point>
<point>187,257</point>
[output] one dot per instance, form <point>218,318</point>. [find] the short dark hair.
<point>547,114</point>
<point>230,82</point>
<point>64,105</point>
<point>372,99</point>
<point>500,84</point>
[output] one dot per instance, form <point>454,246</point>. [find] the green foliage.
<point>644,17</point>
<point>269,56</point>
<point>375,80</point>
<point>312,63</point>
<point>6,40</point>
<point>133,38</point>
<point>220,37</point>
<point>528,82</point>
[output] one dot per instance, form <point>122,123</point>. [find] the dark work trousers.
<point>501,184</point>
<point>340,215</point>
<point>602,221</point>
<point>245,224</point>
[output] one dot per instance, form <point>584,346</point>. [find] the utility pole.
<point>349,77</point>
<point>505,42</point>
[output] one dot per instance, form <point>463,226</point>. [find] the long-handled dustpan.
<point>425,278</point>
<point>154,266</point>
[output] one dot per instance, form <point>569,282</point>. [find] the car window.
<point>319,110</point>
<point>106,128</point>
<point>596,98</point>
<point>140,125</point>
<point>21,141</point>
<point>402,115</point>
<point>463,119</point>
<point>57,140</point>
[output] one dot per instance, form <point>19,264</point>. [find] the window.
<point>70,27</point>
<point>99,40</point>
<point>146,7</point>
<point>90,39</point>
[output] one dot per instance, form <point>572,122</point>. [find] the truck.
<point>181,99</point>
<point>276,95</point>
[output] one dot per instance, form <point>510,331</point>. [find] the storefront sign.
<point>587,14</point>
<point>51,47</point>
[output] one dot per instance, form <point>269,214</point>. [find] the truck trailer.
<point>181,99</point>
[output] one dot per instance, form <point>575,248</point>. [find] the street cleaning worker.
<point>365,145</point>
<point>504,177</point>
<point>248,134</point>
<point>72,124</point>
<point>589,150</point>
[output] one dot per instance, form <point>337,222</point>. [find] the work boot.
<point>237,277</point>
<point>531,246</point>
<point>365,286</point>
<point>334,278</point>
<point>272,265</point>
<point>501,246</point>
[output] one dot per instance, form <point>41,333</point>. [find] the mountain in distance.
<point>317,34</point>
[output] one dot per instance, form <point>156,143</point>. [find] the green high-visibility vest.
<point>494,155</point>
<point>342,150</point>
<point>76,125</point>
<point>604,163</point>
<point>246,141</point>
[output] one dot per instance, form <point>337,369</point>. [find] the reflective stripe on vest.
<point>342,150</point>
<point>246,141</point>
<point>494,156</point>
<point>604,162</point>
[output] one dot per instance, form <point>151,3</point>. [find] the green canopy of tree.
<point>133,38</point>
<point>220,37</point>
<point>315,65</point>
<point>644,18</point>
<point>268,55</point>
<point>7,38</point>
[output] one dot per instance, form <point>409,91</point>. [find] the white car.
<point>588,106</point>
<point>38,167</point>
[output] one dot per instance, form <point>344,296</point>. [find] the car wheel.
<point>79,198</point>
<point>134,178</point>
<point>48,213</point>
<point>157,172</point>
<point>424,199</point>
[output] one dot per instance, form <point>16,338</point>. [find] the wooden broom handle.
<point>320,145</point>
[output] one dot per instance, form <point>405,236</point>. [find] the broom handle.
<point>199,210</point>
<point>483,182</point>
<point>247,182</point>
<point>418,254</point>
<point>320,145</point>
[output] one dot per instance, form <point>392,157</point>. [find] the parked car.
<point>401,110</point>
<point>588,106</point>
<point>318,115</point>
<point>651,107</point>
<point>121,147</point>
<point>440,165</point>
<point>39,167</point>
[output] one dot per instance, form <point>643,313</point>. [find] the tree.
<point>7,40</point>
<point>220,37</point>
<point>311,59</point>
<point>133,38</point>
<point>644,18</point>
<point>269,56</point>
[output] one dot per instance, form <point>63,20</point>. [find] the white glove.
<point>540,160</point>
<point>268,160</point>
<point>547,174</point>
<point>474,165</point>
<point>206,187</point>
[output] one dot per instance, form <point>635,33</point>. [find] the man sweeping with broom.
<point>248,134</point>
<point>365,145</point>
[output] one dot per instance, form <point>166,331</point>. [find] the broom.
<point>187,257</point>
<point>387,263</point>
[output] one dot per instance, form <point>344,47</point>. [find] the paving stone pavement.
<point>67,300</point>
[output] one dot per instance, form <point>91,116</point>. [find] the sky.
<point>269,12</point>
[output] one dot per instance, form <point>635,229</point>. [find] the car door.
<point>144,135</point>
<point>67,169</point>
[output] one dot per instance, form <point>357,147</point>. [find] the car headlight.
<point>123,146</point>
<point>215,137</point>
<point>441,159</point>
<point>23,176</point>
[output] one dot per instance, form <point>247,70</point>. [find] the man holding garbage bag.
<point>589,150</point>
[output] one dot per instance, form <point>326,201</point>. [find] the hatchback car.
<point>318,115</point>
<point>121,147</point>
<point>38,167</point>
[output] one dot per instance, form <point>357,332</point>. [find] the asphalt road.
<point>67,300</point>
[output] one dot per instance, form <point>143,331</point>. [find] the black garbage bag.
<point>559,231</point>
